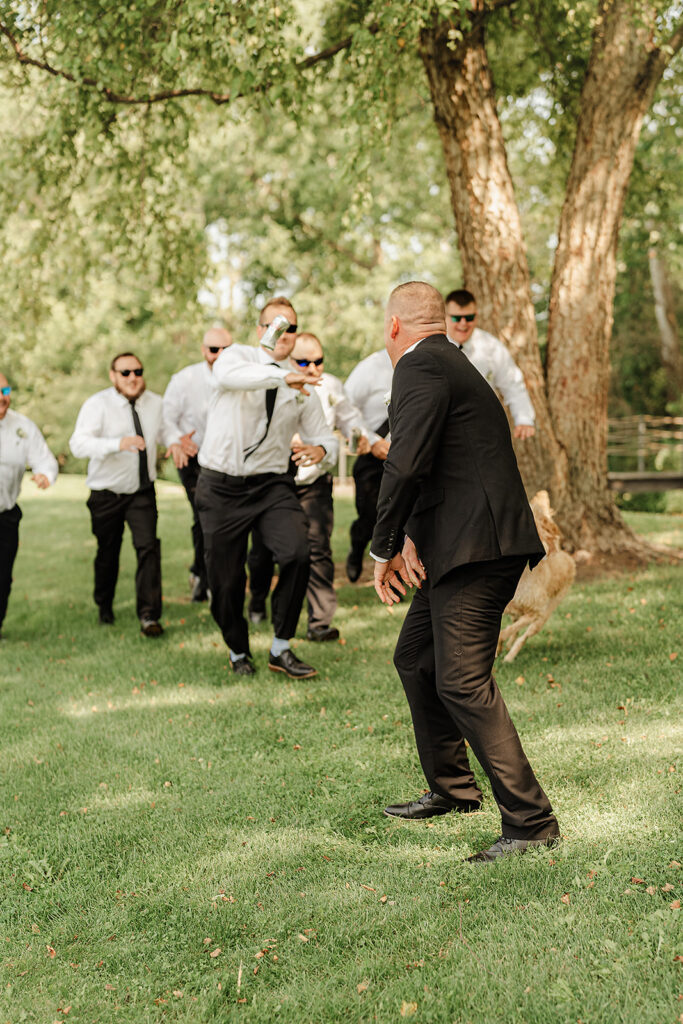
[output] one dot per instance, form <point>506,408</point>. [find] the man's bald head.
<point>213,343</point>
<point>415,310</point>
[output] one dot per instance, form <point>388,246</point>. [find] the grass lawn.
<point>179,846</point>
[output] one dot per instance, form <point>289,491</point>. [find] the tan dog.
<point>540,590</point>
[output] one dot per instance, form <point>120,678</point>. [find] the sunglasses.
<point>307,362</point>
<point>292,329</point>
<point>5,391</point>
<point>138,371</point>
<point>217,348</point>
<point>455,317</point>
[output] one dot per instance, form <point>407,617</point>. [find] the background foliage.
<point>325,182</point>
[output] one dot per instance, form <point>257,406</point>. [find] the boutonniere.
<point>21,432</point>
<point>332,400</point>
<point>387,398</point>
<point>299,398</point>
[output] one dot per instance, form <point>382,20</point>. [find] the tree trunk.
<point>670,346</point>
<point>623,72</point>
<point>487,222</point>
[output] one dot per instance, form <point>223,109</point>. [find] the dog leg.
<point>533,629</point>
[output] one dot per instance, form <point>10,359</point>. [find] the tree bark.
<point>623,72</point>
<point>670,346</point>
<point>487,222</point>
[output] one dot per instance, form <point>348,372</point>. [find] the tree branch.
<point>167,94</point>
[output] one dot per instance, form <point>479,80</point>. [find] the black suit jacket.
<point>451,480</point>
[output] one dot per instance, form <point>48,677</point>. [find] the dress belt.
<point>226,478</point>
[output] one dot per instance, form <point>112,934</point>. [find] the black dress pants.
<point>316,501</point>
<point>189,475</point>
<point>444,656</point>
<point>261,569</point>
<point>367,475</point>
<point>9,543</point>
<point>229,507</point>
<point>109,513</point>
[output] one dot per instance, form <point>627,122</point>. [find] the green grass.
<point>155,810</point>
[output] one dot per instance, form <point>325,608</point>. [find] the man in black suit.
<point>451,483</point>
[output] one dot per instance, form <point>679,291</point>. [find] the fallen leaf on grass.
<point>408,1009</point>
<point>216,952</point>
<point>52,952</point>
<point>667,888</point>
<point>35,929</point>
<point>675,864</point>
<point>304,938</point>
<point>638,881</point>
<point>177,993</point>
<point>368,887</point>
<point>109,988</point>
<point>207,941</point>
<point>565,898</point>
<point>362,986</point>
<point>675,904</point>
<point>651,890</point>
<point>383,899</point>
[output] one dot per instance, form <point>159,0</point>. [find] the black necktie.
<point>271,394</point>
<point>144,471</point>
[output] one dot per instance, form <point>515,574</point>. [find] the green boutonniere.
<point>21,432</point>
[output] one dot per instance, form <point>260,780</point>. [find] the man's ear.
<point>112,377</point>
<point>394,329</point>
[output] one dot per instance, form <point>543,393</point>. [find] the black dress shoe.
<point>429,805</point>
<point>243,667</point>
<point>504,847</point>
<point>106,617</point>
<point>354,565</point>
<point>288,663</point>
<point>150,627</point>
<point>319,634</point>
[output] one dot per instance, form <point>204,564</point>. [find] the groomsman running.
<point>21,444</point>
<point>118,430</point>
<point>185,403</point>
<point>257,404</point>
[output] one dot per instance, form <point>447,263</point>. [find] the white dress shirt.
<point>186,400</point>
<point>237,416</point>
<point>496,365</point>
<point>367,386</point>
<point>21,445</point>
<point>104,419</point>
<point>340,413</point>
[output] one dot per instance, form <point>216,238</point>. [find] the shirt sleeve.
<point>348,417</point>
<point>231,372</point>
<point>507,378</point>
<point>357,390</point>
<point>88,440</point>
<point>39,456</point>
<point>313,429</point>
<point>172,410</point>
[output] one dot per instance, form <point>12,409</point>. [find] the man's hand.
<point>523,431</point>
<point>298,381</point>
<point>41,481</point>
<point>380,449</point>
<point>363,446</point>
<point>388,575</point>
<point>175,451</point>
<point>415,571</point>
<point>134,443</point>
<point>188,445</point>
<point>307,454</point>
